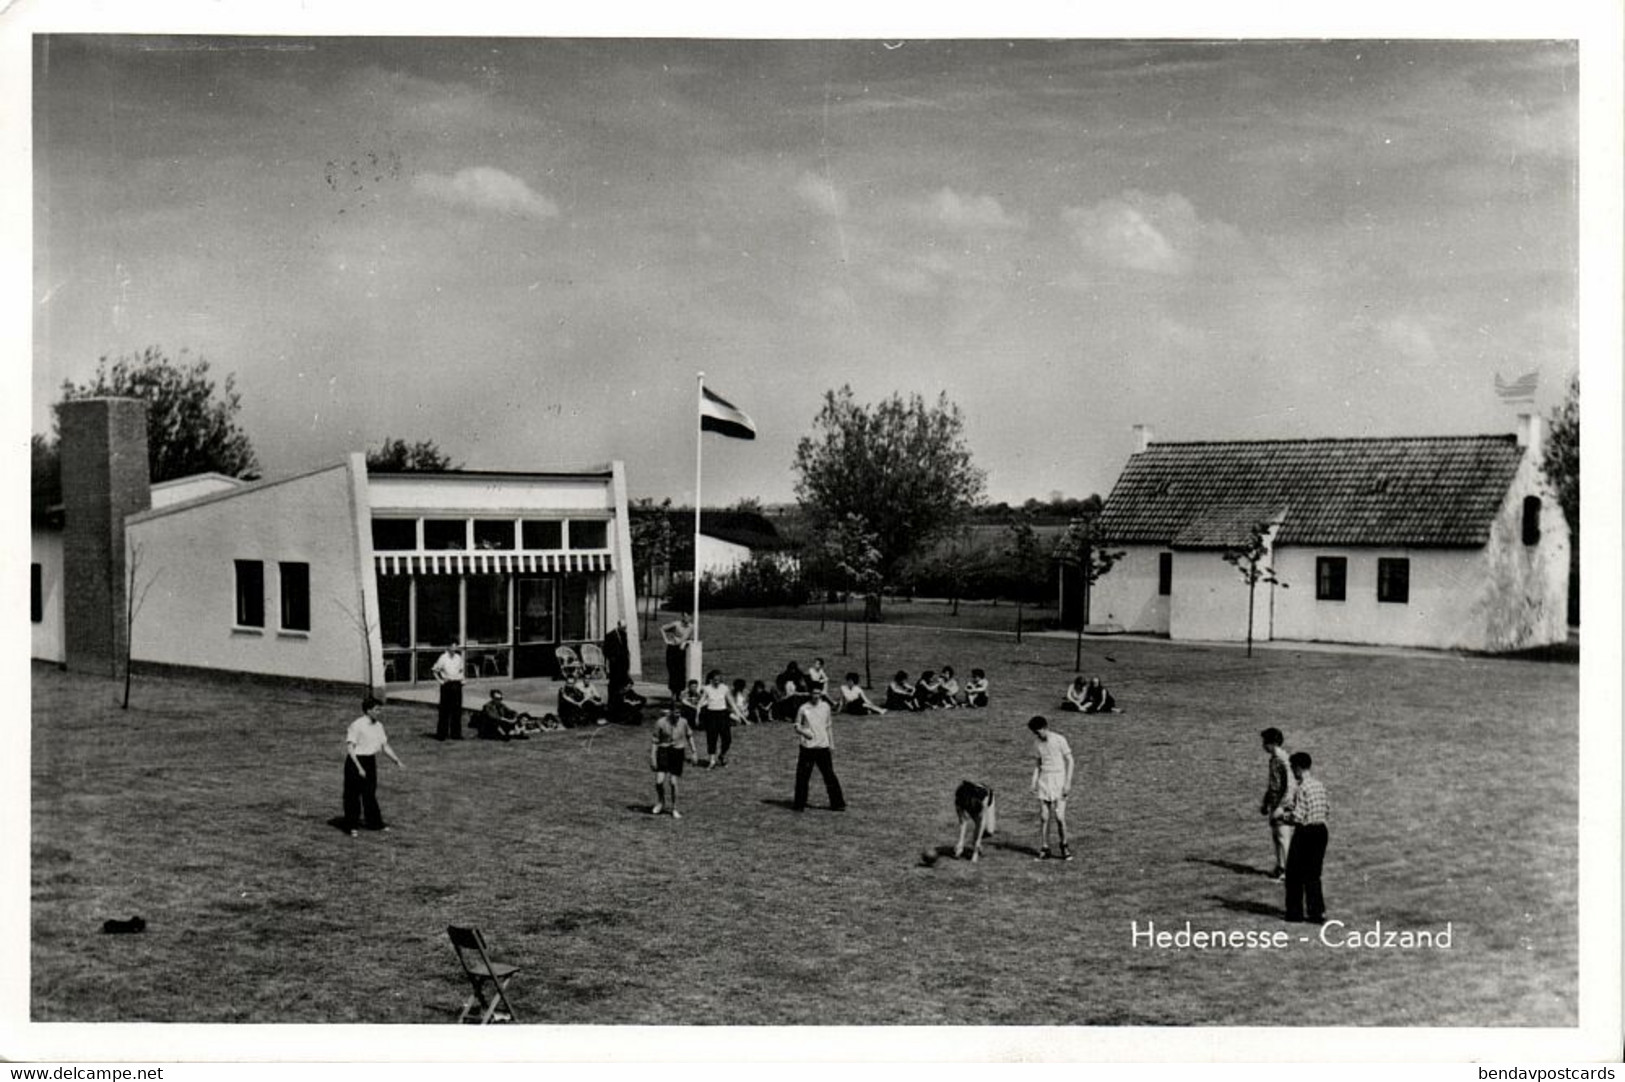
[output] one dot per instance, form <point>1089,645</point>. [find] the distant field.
<point>921,612</point>
<point>206,808</point>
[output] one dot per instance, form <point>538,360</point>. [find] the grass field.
<point>206,809</point>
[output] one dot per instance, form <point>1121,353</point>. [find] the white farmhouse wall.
<point>1127,594</point>
<point>720,557</point>
<point>1523,600</point>
<point>46,640</point>
<point>1442,585</point>
<point>188,616</point>
<point>1210,601</point>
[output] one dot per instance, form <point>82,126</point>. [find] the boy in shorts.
<point>1052,780</point>
<point>671,737</point>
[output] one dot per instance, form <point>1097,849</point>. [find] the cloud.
<point>1157,234</point>
<point>961,213</point>
<point>821,194</point>
<point>484,188</point>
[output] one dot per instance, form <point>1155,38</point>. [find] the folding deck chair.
<point>488,979</point>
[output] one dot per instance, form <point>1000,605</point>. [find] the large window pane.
<point>295,596</point>
<point>437,610</point>
<point>491,533</point>
<point>536,605</point>
<point>589,534</point>
<point>250,593</point>
<point>487,609</point>
<point>573,610</point>
<point>394,534</point>
<point>445,533</point>
<point>395,610</point>
<point>543,534</point>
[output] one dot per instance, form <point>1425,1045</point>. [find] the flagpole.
<point>699,442</point>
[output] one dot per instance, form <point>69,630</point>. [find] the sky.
<point>525,249</point>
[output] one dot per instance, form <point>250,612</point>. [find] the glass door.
<point>535,632</point>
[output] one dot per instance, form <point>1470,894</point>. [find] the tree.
<point>1022,552</point>
<point>1248,559</point>
<point>653,544</point>
<point>45,473</point>
<point>132,609</point>
<point>398,456</point>
<point>902,466</point>
<point>191,423</point>
<point>1082,549</point>
<point>854,551</point>
<point>1562,467</point>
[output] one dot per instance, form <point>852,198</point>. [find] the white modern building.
<point>1452,542</point>
<point>337,575</point>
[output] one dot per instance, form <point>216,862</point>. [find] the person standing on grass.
<point>448,672</point>
<point>1278,797</point>
<point>677,636</point>
<point>716,719</point>
<point>363,741</point>
<point>1307,814</point>
<point>1052,781</point>
<point>817,749</point>
<point>672,737</point>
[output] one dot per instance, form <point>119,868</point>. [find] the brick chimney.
<point>104,479</point>
<point>1142,437</point>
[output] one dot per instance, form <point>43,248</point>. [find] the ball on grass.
<point>928,856</point>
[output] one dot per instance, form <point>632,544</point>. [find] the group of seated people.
<point>580,704</point>
<point>936,690</point>
<point>1089,697</point>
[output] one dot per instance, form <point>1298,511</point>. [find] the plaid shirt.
<point>1309,805</point>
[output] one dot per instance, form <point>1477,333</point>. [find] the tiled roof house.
<point>1454,542</point>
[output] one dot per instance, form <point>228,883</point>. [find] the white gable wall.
<point>719,557</point>
<point>188,616</point>
<point>1127,594</point>
<point>1443,583</point>
<point>46,636</point>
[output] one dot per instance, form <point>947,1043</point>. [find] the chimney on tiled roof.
<point>1142,437</point>
<point>1529,433</point>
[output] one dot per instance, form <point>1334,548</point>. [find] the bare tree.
<point>132,608</point>
<point>364,627</point>
<point>1248,559</point>
<point>855,551</point>
<point>1082,549</point>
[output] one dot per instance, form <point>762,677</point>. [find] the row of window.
<point>293,595</point>
<point>1393,579</point>
<point>497,534</point>
<point>1331,578</point>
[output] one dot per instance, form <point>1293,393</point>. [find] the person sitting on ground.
<point>928,692</point>
<point>625,704</point>
<point>688,704</point>
<point>739,703</point>
<point>950,687</point>
<point>976,689</point>
<point>789,692</point>
<point>760,706</point>
<point>1075,694</point>
<point>900,694</point>
<point>498,721</point>
<point>1097,700</point>
<point>854,700</point>
<point>580,704</point>
<point>817,679</point>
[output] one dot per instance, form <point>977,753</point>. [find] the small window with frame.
<point>1531,520</point>
<point>250,593</point>
<point>1394,581</point>
<point>1331,578</point>
<point>295,596</point>
<point>1165,574</point>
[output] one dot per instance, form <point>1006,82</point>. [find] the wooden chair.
<point>593,662</point>
<point>569,664</point>
<point>488,979</point>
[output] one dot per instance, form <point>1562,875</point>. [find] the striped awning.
<point>490,563</point>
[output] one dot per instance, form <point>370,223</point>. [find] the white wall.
<point>1127,594</point>
<point>1443,584</point>
<point>719,557</point>
<point>1210,601</point>
<point>168,493</point>
<point>187,554</point>
<point>46,643</point>
<point>517,495</point>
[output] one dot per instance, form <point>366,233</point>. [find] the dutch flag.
<point>719,415</point>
